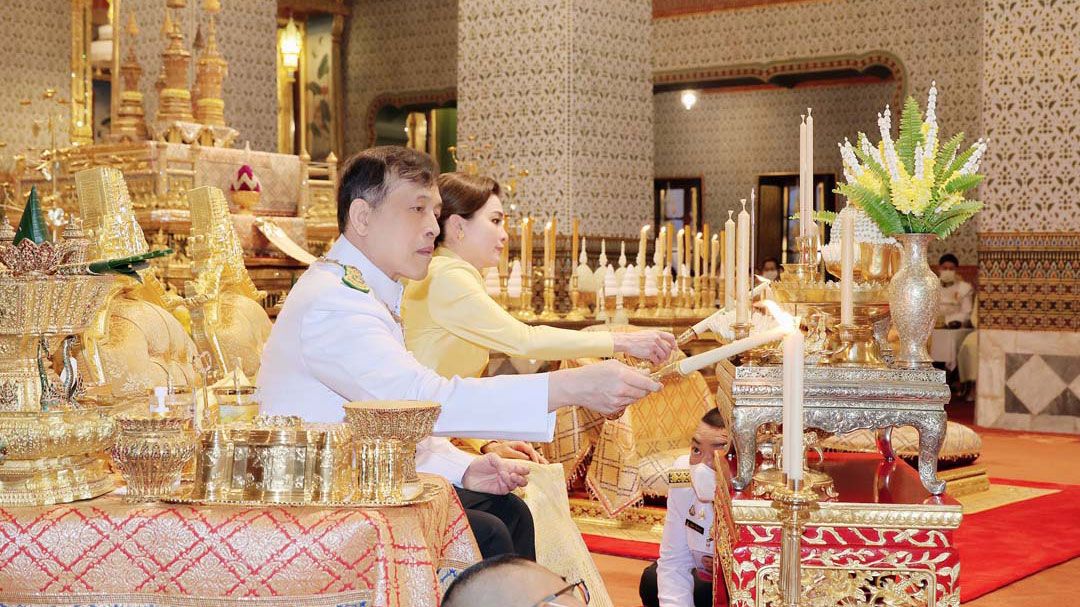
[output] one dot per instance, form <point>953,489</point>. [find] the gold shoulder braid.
<point>678,477</point>
<point>352,278</point>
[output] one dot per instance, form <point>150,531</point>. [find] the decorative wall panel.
<point>396,47</point>
<point>247,39</point>
<point>1031,115</point>
<point>1029,381</point>
<point>35,43</point>
<point>1029,281</point>
<point>729,138</point>
<point>563,89</point>
<point>934,39</point>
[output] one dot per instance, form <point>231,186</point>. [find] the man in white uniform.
<point>955,300</point>
<point>683,577</point>
<point>338,339</point>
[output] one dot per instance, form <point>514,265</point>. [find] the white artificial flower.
<point>892,161</point>
<point>931,119</point>
<point>972,163</point>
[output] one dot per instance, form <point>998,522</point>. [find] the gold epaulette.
<point>678,477</point>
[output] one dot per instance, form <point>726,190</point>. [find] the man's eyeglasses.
<point>578,590</point>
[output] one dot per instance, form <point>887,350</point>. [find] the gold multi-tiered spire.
<point>131,117</point>
<point>174,102</point>
<point>210,73</point>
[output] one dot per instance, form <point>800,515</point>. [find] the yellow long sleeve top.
<point>451,324</point>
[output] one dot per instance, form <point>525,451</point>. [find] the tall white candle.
<point>729,262</point>
<point>711,357</point>
<point>804,187</point>
<point>810,170</point>
<point>793,403</point>
<point>742,268</point>
<point>847,270</point>
<point>681,260</point>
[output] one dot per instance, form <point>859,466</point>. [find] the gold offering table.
<point>841,400</point>
<point>884,541</point>
<point>109,550</point>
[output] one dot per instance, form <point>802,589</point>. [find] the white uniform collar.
<point>384,288</point>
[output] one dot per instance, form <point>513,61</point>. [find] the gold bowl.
<point>151,451</point>
<point>274,460</point>
<point>385,434</point>
<point>55,457</point>
<point>236,405</point>
<point>874,263</point>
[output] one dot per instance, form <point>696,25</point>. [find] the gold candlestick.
<point>549,312</point>
<point>575,312</point>
<point>794,503</point>
<point>641,311</point>
<point>504,288</point>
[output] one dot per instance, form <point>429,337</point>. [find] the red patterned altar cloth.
<point>884,541</point>
<point>108,551</point>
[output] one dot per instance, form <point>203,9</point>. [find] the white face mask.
<point>703,479</point>
<point>770,274</point>
<point>948,276</point>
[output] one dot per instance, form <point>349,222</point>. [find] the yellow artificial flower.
<point>911,196</point>
<point>870,181</point>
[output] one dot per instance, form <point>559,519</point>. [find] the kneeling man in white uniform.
<point>683,577</point>
<point>338,339</point>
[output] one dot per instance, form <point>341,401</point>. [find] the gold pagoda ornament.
<point>210,72</point>
<point>130,123</point>
<point>174,102</point>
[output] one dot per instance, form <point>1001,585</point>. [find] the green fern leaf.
<point>962,183</point>
<point>911,135</point>
<point>946,223</point>
<point>944,154</point>
<point>959,162</point>
<point>883,213</point>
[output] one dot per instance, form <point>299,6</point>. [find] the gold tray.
<point>429,490</point>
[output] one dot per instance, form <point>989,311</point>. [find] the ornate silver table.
<point>841,400</point>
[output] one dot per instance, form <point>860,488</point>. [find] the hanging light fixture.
<point>689,99</point>
<point>291,46</point>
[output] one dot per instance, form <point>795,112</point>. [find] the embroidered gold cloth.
<point>630,455</point>
<point>106,550</point>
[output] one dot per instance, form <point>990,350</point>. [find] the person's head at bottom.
<point>511,581</point>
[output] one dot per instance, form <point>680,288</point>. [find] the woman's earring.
<point>461,235</point>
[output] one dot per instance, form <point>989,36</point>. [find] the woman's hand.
<point>653,346</point>
<point>514,449</point>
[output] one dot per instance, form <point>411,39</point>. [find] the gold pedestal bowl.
<point>385,434</point>
<point>151,451</point>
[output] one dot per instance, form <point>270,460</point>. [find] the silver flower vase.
<point>913,301</point>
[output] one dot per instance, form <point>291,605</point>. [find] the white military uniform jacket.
<point>686,542</point>
<point>955,302</point>
<point>332,344</point>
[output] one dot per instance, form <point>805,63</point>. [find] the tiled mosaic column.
<point>563,88</point>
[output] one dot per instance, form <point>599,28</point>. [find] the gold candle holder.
<point>151,452</point>
<point>741,330</point>
<point>525,310</point>
<point>858,348</point>
<point>385,434</point>
<point>504,288</point>
<point>794,502</point>
<point>576,311</point>
<point>641,311</point>
<point>549,312</point>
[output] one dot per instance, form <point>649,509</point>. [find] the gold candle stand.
<point>794,503</point>
<point>858,347</point>
<point>525,310</point>
<point>504,288</point>
<point>576,310</point>
<point>642,311</point>
<point>549,312</point>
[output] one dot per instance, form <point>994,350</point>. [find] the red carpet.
<point>997,547</point>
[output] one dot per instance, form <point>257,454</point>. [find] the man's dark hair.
<point>714,418</point>
<point>768,259</point>
<point>488,564</point>
<point>370,173</point>
<point>949,257</point>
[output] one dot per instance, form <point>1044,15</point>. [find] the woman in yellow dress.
<point>451,325</point>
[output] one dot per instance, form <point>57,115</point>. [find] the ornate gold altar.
<point>884,541</point>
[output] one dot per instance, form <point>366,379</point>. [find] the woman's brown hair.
<point>463,194</point>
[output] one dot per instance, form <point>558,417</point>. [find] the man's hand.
<point>606,388</point>
<point>514,449</point>
<point>492,474</point>
<point>653,346</point>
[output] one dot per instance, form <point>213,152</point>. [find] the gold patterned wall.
<point>247,35</point>
<point>1031,101</point>
<point>35,44</point>
<point>933,39</point>
<point>395,48</point>
<point>563,88</point>
<point>730,137</point>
